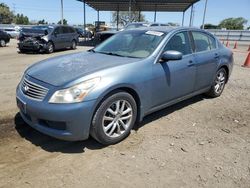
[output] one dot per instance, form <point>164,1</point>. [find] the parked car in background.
<point>102,36</point>
<point>104,91</point>
<point>47,38</point>
<point>142,24</point>
<point>4,38</point>
<point>12,32</point>
<point>84,33</point>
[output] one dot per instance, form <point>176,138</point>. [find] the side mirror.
<point>171,55</point>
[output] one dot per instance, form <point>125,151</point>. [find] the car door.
<point>207,59</point>
<point>58,38</point>
<point>67,36</point>
<point>174,79</point>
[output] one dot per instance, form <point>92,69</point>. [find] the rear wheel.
<point>114,118</point>
<point>219,83</point>
<point>73,45</point>
<point>2,43</point>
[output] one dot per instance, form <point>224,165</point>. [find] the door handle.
<point>216,56</point>
<point>190,63</point>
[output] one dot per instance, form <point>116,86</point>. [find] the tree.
<point>233,23</point>
<point>42,22</point>
<point>210,26</point>
<point>21,19</point>
<point>65,22</point>
<point>6,16</point>
<point>124,17</point>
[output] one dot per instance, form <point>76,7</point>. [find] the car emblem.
<point>26,88</point>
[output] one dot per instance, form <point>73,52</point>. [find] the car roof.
<point>167,29</point>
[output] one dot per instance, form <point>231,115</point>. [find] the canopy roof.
<point>141,5</point>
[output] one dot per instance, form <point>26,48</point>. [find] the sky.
<point>49,10</point>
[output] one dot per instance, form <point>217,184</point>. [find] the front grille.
<point>33,90</point>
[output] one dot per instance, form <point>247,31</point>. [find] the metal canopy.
<point>141,5</point>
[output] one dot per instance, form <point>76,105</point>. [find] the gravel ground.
<point>200,142</point>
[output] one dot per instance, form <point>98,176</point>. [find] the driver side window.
<point>179,42</point>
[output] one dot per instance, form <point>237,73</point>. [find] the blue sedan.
<point>105,91</point>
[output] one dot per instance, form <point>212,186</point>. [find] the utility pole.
<point>61,12</point>
<point>14,8</point>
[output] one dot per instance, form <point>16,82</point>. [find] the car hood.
<point>61,70</point>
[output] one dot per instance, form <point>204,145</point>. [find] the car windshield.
<point>134,44</point>
<point>40,29</point>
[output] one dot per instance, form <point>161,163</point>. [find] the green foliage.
<point>210,26</point>
<point>233,23</point>
<point>65,22</point>
<point>6,16</point>
<point>124,17</point>
<point>21,19</point>
<point>42,22</point>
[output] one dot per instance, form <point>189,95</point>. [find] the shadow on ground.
<point>54,145</point>
<point>51,144</point>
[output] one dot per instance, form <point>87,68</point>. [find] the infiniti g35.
<point>105,91</point>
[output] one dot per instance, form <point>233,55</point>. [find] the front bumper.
<point>32,46</point>
<point>63,121</point>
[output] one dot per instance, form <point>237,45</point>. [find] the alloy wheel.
<point>117,118</point>
<point>220,82</point>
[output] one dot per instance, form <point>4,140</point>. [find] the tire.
<point>218,84</point>
<point>21,51</point>
<point>73,45</point>
<point>109,124</point>
<point>2,43</point>
<point>50,48</point>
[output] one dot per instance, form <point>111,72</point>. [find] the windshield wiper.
<point>92,50</point>
<point>111,53</point>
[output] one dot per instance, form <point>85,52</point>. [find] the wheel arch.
<point>117,89</point>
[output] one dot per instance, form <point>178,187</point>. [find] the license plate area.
<point>21,105</point>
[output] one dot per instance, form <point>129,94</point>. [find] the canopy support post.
<point>98,21</point>
<point>155,14</point>
<point>204,15</point>
<point>117,19</point>
<point>191,16</point>
<point>183,18</point>
<point>139,17</point>
<point>84,17</point>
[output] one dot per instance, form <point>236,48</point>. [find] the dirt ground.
<point>200,142</point>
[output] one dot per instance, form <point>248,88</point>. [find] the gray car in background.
<point>47,38</point>
<point>105,91</point>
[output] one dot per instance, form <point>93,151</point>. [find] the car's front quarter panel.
<point>136,76</point>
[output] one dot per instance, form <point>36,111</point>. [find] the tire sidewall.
<point>97,129</point>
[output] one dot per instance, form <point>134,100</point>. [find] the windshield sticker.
<point>156,33</point>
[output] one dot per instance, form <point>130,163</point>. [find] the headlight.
<point>75,93</point>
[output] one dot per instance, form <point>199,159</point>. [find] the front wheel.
<point>219,84</point>
<point>114,118</point>
<point>50,48</point>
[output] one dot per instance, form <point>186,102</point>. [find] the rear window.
<point>203,42</point>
